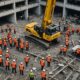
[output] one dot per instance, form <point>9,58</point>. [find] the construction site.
<point>39,40</point>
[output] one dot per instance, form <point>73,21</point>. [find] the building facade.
<point>12,10</point>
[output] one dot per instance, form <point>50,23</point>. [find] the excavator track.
<point>38,40</point>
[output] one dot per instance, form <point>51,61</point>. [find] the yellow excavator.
<point>48,31</point>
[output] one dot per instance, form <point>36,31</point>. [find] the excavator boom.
<point>49,11</point>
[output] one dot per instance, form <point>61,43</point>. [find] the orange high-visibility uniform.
<point>26,59</point>
<point>5,43</point>
<point>21,45</point>
<point>16,44</point>
<point>78,51</point>
<point>0,41</point>
<point>15,40</point>
<point>27,44</point>
<point>13,65</point>
<point>1,60</point>
<point>43,74</point>
<point>48,58</point>
<point>7,55</point>
<point>65,49</point>
<point>73,29</point>
<point>0,51</point>
<point>7,63</point>
<point>21,67</point>
<point>10,41</point>
<point>67,43</point>
<point>42,62</point>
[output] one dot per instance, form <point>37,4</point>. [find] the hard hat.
<point>44,70</point>
<point>7,58</point>
<point>21,63</point>
<point>31,70</point>
<point>14,60</point>
<point>49,55</point>
<point>27,54</point>
<point>7,51</point>
<point>42,57</point>
<point>0,55</point>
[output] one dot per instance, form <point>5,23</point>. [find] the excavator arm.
<point>49,11</point>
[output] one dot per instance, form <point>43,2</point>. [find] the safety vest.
<point>43,74</point>
<point>31,74</point>
<point>21,67</point>
<point>1,60</point>
<point>7,63</point>
<point>13,64</point>
<point>48,58</point>
<point>0,51</point>
<point>27,58</point>
<point>0,41</point>
<point>42,62</point>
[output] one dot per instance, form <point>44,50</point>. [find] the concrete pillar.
<point>38,10</point>
<point>64,8</point>
<point>26,14</point>
<point>12,18</point>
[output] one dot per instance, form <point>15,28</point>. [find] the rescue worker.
<point>7,50</point>
<point>78,51</point>
<point>26,59</point>
<point>42,63</point>
<point>10,42</point>
<point>0,42</point>
<point>67,43</point>
<point>1,61</point>
<point>5,44</point>
<point>31,75</point>
<point>1,52</point>
<point>21,47</point>
<point>48,58</point>
<point>64,50</point>
<point>73,30</point>
<point>21,68</point>
<point>27,45</point>
<point>7,64</point>
<point>15,40</point>
<point>16,45</point>
<point>7,55</point>
<point>13,65</point>
<point>43,74</point>
<point>61,49</point>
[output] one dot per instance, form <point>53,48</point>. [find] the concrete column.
<point>12,18</point>
<point>26,14</point>
<point>64,8</point>
<point>38,10</point>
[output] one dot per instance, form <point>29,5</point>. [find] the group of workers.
<point>68,32</point>
<point>6,62</point>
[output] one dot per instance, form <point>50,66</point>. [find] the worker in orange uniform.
<point>21,68</point>
<point>0,42</point>
<point>1,61</point>
<point>61,49</point>
<point>43,74</point>
<point>5,44</point>
<point>27,45</point>
<point>15,40</point>
<point>67,43</point>
<point>13,65</point>
<point>16,45</point>
<point>65,50</point>
<point>73,30</point>
<point>21,47</point>
<point>1,52</point>
<point>42,63</point>
<point>78,51</point>
<point>48,58</point>
<point>7,64</point>
<point>26,59</point>
<point>10,42</point>
<point>7,55</point>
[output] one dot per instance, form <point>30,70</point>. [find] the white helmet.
<point>31,70</point>
<point>27,55</point>
<point>7,58</point>
<point>0,55</point>
<point>21,63</point>
<point>44,70</point>
<point>14,60</point>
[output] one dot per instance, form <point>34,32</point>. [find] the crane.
<point>48,31</point>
